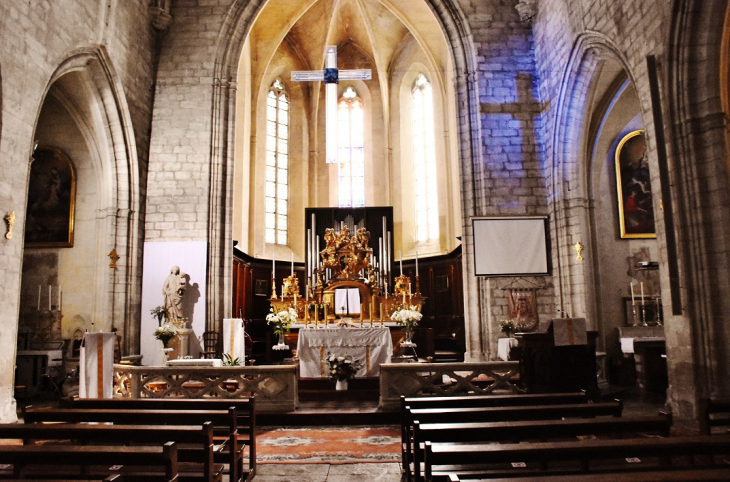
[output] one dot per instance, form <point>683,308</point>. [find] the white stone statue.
<point>174,290</point>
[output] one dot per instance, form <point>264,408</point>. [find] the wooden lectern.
<point>560,357</point>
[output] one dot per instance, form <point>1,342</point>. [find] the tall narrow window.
<point>277,164</point>
<point>424,161</point>
<point>350,156</point>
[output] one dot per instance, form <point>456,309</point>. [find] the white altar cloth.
<point>372,346</point>
<point>233,339</point>
<point>96,365</point>
<point>504,345</point>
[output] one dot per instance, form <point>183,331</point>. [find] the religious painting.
<point>635,203</point>
<point>523,308</point>
<point>442,283</point>
<point>51,199</point>
<point>261,287</point>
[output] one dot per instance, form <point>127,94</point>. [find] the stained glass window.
<point>277,164</point>
<point>350,154</point>
<point>424,161</point>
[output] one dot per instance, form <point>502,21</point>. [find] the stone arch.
<point>106,126</point>
<point>700,177</point>
<point>569,172</point>
<point>238,21</point>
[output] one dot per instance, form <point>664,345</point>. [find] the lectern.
<point>560,357</point>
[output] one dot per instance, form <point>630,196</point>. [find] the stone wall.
<point>37,37</point>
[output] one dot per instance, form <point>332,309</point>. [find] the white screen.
<point>510,246</point>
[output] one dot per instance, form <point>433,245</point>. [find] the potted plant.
<point>508,328</point>
<point>281,322</point>
<point>341,369</point>
<point>165,333</point>
<point>160,313</point>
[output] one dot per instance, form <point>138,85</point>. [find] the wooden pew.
<point>668,475</point>
<point>228,419</point>
<point>245,408</point>
<point>39,458</point>
<point>713,413</point>
<point>555,458</point>
<point>523,431</point>
<point>510,400</point>
<point>497,414</point>
<point>195,445</point>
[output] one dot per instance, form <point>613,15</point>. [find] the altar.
<point>372,346</point>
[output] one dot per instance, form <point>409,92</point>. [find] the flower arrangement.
<point>342,367</point>
<point>406,317</point>
<point>160,313</point>
<point>281,320</point>
<point>508,327</point>
<point>165,333</point>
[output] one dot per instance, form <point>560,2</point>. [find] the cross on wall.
<point>331,76</point>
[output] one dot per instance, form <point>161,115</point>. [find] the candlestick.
<point>404,299</point>
<point>416,263</point>
<point>642,293</point>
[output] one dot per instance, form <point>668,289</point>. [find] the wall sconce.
<point>578,249</point>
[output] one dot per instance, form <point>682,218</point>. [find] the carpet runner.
<point>328,445</point>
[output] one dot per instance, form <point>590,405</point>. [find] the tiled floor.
<point>389,472</point>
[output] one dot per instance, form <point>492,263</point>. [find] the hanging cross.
<point>331,77</point>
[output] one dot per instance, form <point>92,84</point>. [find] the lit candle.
<point>386,290</point>
<point>632,293</point>
<point>409,287</point>
<point>404,298</point>
<point>39,297</point>
<point>642,293</point>
<point>416,263</point>
<point>273,267</point>
<point>400,255</point>
<point>307,295</point>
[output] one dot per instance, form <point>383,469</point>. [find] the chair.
<point>210,345</point>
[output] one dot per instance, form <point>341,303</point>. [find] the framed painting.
<point>49,220</point>
<point>261,287</point>
<point>633,183</point>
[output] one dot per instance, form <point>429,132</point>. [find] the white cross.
<point>331,76</point>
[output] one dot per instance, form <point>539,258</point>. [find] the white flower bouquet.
<point>342,367</point>
<point>282,320</point>
<point>165,333</point>
<point>407,317</point>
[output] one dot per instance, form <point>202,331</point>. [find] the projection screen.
<point>511,246</point>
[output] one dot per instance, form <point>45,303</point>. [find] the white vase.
<point>341,385</point>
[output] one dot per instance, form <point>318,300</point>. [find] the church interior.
<point>505,171</point>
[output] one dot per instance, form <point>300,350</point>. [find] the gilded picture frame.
<point>49,221</point>
<point>633,185</point>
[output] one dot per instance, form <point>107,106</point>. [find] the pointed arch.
<point>104,121</point>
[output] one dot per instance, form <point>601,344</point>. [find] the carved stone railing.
<point>444,379</point>
<point>275,386</point>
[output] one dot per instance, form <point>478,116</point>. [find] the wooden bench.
<point>490,460</point>
<point>668,475</point>
<point>713,413</point>
<point>245,409</point>
<point>478,401</point>
<point>195,444</point>
<point>225,423</point>
<point>59,461</point>
<point>498,414</point>
<point>523,431</point>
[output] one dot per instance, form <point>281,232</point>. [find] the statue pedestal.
<point>180,344</point>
